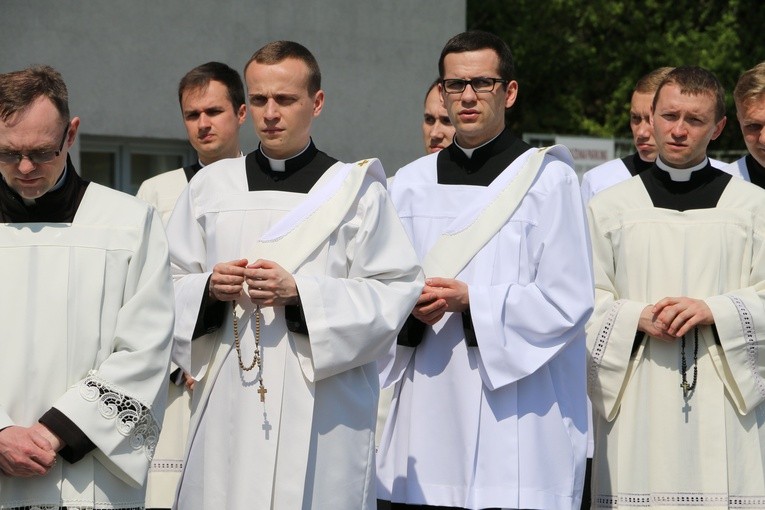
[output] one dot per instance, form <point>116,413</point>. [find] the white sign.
<point>588,152</point>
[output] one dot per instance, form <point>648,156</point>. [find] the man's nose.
<point>26,165</point>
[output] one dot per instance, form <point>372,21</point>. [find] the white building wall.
<point>122,61</point>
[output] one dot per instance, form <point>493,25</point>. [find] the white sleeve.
<point>520,327</point>
<point>188,262</point>
<point>120,404</point>
<point>353,318</point>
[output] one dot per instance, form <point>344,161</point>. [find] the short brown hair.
<point>695,81</point>
<point>651,81</point>
<point>475,40</point>
<point>279,51</point>
<point>432,86</point>
<point>201,76</point>
<point>750,86</point>
<point>19,89</point>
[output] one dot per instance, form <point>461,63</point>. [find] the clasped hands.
<point>28,451</point>
<point>268,284</point>
<point>440,295</point>
<point>673,317</point>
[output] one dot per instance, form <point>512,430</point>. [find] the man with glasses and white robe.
<point>86,313</point>
<point>489,404</point>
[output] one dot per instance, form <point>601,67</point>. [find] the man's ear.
<point>318,103</point>
<point>719,128</point>
<point>71,135</point>
<point>511,93</point>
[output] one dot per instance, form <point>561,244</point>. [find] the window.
<point>124,163</point>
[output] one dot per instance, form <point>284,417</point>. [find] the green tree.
<point>578,60</point>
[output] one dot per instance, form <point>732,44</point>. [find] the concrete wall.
<point>122,60</point>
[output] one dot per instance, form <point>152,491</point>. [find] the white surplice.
<point>738,169</point>
<point>87,318</point>
<point>650,448</point>
<point>603,176</point>
<point>503,424</point>
<point>311,443</point>
<point>162,191</point>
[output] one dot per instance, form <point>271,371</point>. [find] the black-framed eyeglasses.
<point>36,157</point>
<point>479,84</point>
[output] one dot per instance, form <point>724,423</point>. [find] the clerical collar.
<point>280,165</point>
<point>289,165</point>
<point>300,172</point>
<point>702,191</point>
<point>484,165</point>
<point>469,152</point>
<point>59,183</point>
<point>58,205</point>
<point>680,174</point>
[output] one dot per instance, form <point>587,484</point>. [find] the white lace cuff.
<point>133,419</point>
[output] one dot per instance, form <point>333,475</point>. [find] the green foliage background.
<point>578,60</point>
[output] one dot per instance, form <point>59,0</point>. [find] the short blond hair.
<point>750,86</point>
<point>649,83</point>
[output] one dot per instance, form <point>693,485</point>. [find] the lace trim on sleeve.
<point>132,418</point>
<point>604,335</point>
<point>676,499</point>
<point>750,337</point>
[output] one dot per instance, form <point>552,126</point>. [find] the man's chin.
<point>30,194</point>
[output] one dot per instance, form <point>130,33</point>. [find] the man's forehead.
<point>641,101</point>
<point>41,115</point>
<point>289,72</point>
<point>673,95</point>
<point>433,101</point>
<point>485,59</point>
<point>209,92</point>
<point>752,107</point>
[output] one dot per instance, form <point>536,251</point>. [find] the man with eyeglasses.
<point>489,404</point>
<point>87,315</point>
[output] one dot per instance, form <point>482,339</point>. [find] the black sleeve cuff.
<point>716,335</point>
<point>177,377</point>
<point>639,336</point>
<point>77,443</point>
<point>467,328</point>
<point>295,318</point>
<point>411,333</point>
<point>211,314</point>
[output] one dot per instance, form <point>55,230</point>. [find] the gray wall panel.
<point>122,60</point>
